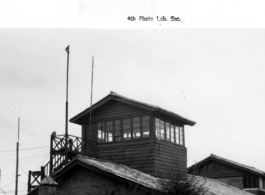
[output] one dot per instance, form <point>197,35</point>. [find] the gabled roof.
<point>234,164</point>
<point>214,187</point>
<point>117,97</point>
<point>118,170</point>
<point>48,181</point>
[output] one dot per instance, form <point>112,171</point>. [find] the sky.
<point>207,69</point>
<point>212,76</point>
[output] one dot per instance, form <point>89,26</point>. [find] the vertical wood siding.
<point>170,160</point>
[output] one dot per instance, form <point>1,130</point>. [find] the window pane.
<point>157,128</point>
<point>136,120</point>
<point>145,126</point>
<point>172,133</point>
<point>118,132</point>
<point>101,133</point>
<point>145,123</point>
<point>177,134</point>
<point>162,129</point>
<point>127,126</point>
<point>126,121</point>
<point>168,131</point>
<point>109,131</point>
<point>146,131</point>
<point>109,123</point>
<point>136,125</point>
<point>109,137</point>
<point>136,128</point>
<point>145,118</point>
<point>181,136</point>
<point>127,129</point>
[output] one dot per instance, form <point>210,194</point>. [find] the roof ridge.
<point>237,163</point>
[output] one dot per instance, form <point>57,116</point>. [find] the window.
<point>172,133</point>
<point>162,129</point>
<point>101,133</point>
<point>126,129</point>
<point>136,128</point>
<point>181,140</point>
<point>250,182</point>
<point>157,126</point>
<point>146,126</point>
<point>177,134</point>
<point>118,132</point>
<point>168,131</point>
<point>109,131</point>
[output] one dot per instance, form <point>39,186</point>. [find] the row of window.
<point>250,182</point>
<point>125,129</point>
<point>138,127</point>
<point>169,132</point>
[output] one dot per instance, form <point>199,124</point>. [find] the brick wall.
<point>81,181</point>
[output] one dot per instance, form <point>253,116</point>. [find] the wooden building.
<point>90,176</point>
<point>142,136</point>
<point>139,135</point>
<point>231,173</point>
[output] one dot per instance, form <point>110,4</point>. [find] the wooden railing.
<point>62,150</point>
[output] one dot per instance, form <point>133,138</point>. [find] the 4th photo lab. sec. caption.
<point>156,18</point>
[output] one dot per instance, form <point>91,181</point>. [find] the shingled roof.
<point>213,187</point>
<point>231,163</point>
<point>117,97</point>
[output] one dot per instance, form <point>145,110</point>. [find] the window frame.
<point>121,125</point>
<point>178,128</point>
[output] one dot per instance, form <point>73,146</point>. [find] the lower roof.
<point>240,166</point>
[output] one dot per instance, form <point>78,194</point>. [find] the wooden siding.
<point>224,171</point>
<point>170,159</point>
<point>136,154</point>
<point>114,109</point>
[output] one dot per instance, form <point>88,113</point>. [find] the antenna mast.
<point>91,96</point>
<point>17,159</point>
<point>66,115</point>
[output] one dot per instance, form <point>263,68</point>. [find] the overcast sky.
<point>212,76</point>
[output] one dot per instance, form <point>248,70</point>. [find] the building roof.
<point>48,181</point>
<point>215,187</point>
<point>112,168</point>
<point>230,163</point>
<point>117,97</point>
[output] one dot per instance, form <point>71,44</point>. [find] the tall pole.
<point>17,159</point>
<point>91,96</point>
<point>66,115</point>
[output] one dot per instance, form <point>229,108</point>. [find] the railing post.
<point>70,144</point>
<point>42,171</point>
<point>51,149</point>
<point>29,182</point>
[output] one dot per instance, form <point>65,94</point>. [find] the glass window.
<point>162,129</point>
<point>101,133</point>
<point>181,136</point>
<point>109,131</point>
<point>146,126</point>
<point>177,134</point>
<point>172,133</point>
<point>157,128</point>
<point>126,129</point>
<point>168,131</point>
<point>118,132</point>
<point>136,128</point>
